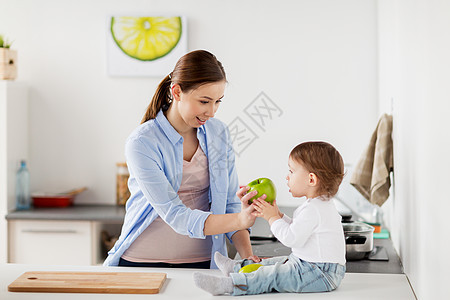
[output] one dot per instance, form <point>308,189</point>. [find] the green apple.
<point>263,186</point>
<point>250,268</point>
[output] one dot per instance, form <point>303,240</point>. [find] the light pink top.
<point>159,242</point>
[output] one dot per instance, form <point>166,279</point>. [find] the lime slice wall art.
<point>145,46</point>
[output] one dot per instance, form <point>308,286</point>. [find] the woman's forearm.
<point>241,241</point>
<point>217,224</point>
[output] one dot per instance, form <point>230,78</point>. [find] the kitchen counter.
<point>269,248</point>
<point>114,213</point>
<point>74,235</point>
<point>391,266</point>
<point>108,213</point>
<point>180,285</point>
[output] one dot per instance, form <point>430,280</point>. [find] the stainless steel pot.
<point>358,240</point>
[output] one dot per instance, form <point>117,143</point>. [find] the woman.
<point>183,180</point>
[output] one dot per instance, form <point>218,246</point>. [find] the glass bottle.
<point>23,199</point>
<point>122,192</point>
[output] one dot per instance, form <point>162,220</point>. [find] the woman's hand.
<point>222,223</point>
<point>267,211</point>
<point>255,258</point>
<point>241,241</point>
<point>247,215</point>
<point>244,196</point>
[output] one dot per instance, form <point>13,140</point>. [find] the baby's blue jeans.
<point>287,274</point>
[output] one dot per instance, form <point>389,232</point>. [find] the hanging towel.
<point>371,175</point>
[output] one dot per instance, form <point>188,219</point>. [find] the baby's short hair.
<point>325,161</point>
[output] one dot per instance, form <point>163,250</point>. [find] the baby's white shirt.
<point>314,233</point>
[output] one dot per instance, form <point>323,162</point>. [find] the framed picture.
<point>145,46</point>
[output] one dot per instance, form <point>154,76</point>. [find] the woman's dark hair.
<point>323,160</point>
<point>191,71</point>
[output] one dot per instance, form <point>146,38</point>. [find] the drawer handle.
<point>49,231</point>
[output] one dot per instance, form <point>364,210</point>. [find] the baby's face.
<point>298,179</point>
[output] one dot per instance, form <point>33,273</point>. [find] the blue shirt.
<point>154,154</point>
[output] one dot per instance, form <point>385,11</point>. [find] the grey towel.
<point>371,175</point>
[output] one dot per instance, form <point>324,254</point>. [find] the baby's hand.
<point>267,211</point>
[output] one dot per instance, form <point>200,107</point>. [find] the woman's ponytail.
<point>161,99</point>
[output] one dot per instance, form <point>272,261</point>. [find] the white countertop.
<point>180,285</point>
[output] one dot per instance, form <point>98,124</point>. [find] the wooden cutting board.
<point>89,282</point>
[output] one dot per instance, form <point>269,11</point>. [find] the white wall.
<point>315,59</point>
<point>414,67</point>
<point>13,148</point>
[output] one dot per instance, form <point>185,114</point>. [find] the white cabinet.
<point>51,242</point>
<point>13,148</point>
<point>63,235</point>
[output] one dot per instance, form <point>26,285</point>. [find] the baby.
<point>315,233</point>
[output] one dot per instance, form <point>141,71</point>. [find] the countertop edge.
<point>104,213</point>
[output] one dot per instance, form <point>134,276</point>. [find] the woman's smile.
<point>201,121</point>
